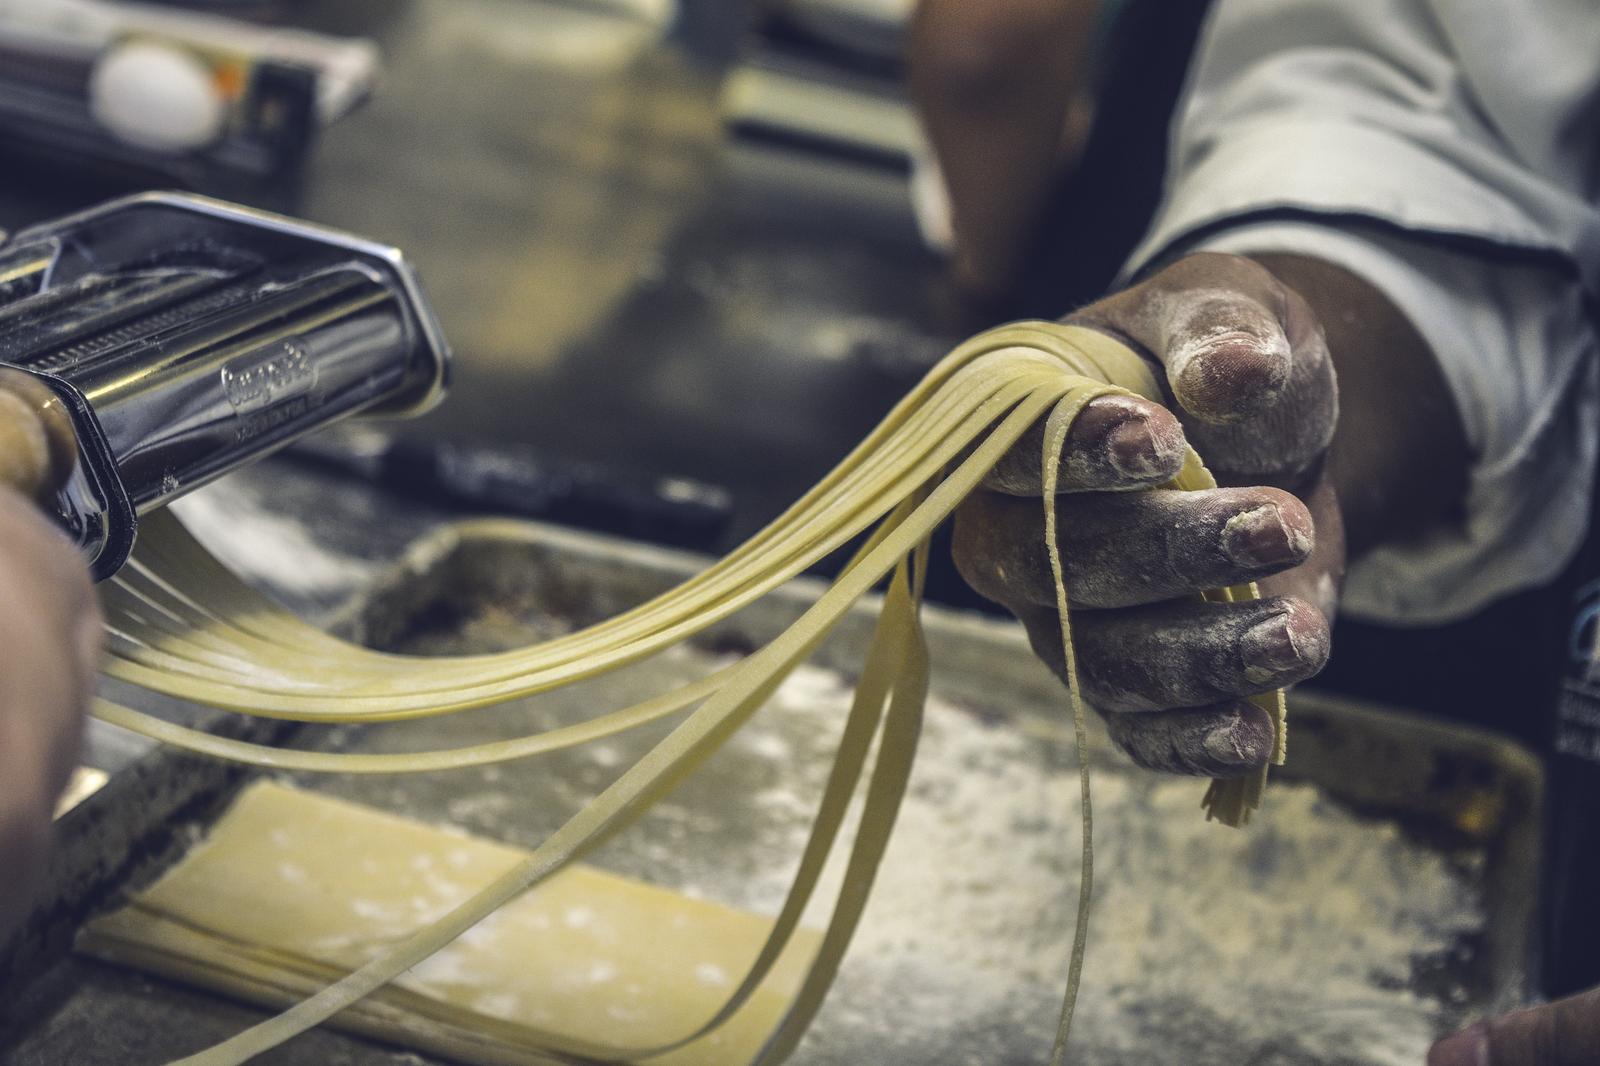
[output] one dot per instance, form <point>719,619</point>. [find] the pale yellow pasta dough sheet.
<point>292,889</point>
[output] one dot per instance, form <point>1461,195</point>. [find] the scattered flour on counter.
<point>1291,942</point>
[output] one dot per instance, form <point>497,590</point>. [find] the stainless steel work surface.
<point>1384,892</point>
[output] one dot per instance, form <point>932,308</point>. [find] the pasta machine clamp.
<point>152,344</point>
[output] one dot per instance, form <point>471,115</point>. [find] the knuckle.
<point>990,553</point>
<point>1146,659</point>
<point>1226,740</point>
<point>1044,637</point>
<point>967,555</point>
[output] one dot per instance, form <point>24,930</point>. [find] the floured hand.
<point>1252,389</point>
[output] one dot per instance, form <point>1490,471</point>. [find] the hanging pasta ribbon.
<point>181,624</point>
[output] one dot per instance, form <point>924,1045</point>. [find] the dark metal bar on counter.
<point>528,482</point>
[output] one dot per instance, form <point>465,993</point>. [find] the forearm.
<point>994,84</point>
<point>1399,458</point>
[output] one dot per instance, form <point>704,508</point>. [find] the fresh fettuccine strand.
<point>1055,435</point>
<point>182,625</point>
<point>653,775</point>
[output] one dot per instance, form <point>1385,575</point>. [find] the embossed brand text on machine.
<point>263,379</point>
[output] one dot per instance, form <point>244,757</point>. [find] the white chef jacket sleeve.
<point>1389,137</point>
<point>1523,372</point>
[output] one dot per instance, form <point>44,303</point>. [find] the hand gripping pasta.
<point>181,624</point>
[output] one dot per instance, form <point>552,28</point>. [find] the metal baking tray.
<point>1386,891</point>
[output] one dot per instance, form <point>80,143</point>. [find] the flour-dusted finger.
<point>1246,360</point>
<point>1185,654</point>
<point>1117,442</point>
<point>1225,740</point>
<point>1126,549</point>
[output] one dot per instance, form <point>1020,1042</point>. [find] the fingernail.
<point>1129,447</point>
<point>1140,454</point>
<point>1259,537</point>
<point>1228,374</point>
<point>1226,745</point>
<point>1269,650</point>
<point>1470,1047</point>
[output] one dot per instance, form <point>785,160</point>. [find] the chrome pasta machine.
<point>152,344</point>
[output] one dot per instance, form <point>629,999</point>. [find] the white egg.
<point>157,96</point>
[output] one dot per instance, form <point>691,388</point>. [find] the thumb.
<point>1245,360</point>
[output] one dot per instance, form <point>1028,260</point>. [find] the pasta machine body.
<point>184,337</point>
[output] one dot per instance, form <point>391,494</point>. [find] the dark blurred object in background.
<point>515,479</point>
<point>1104,205</point>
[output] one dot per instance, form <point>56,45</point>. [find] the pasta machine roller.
<point>163,340</point>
